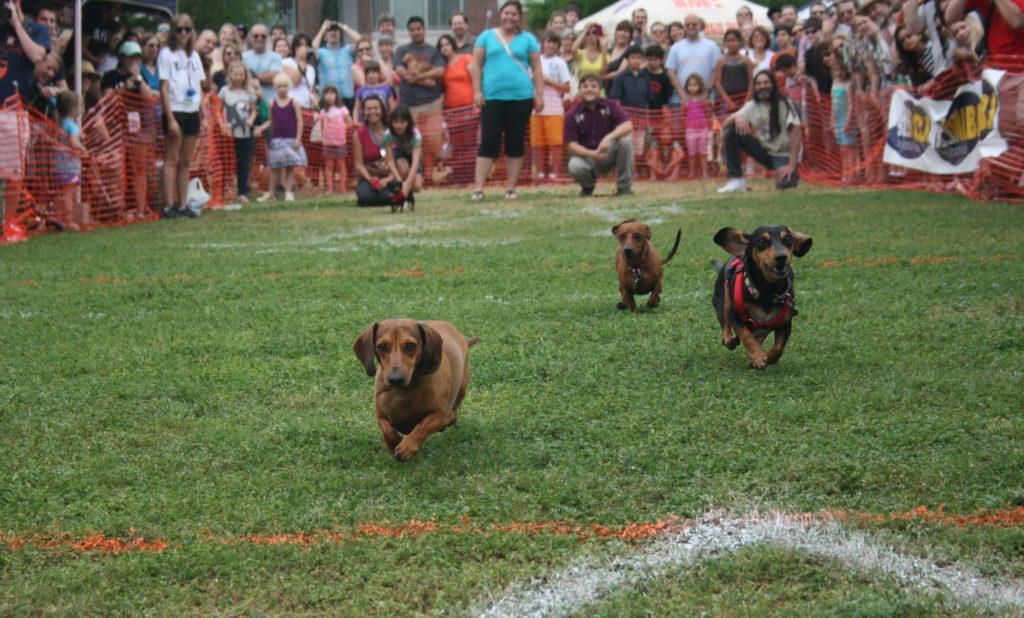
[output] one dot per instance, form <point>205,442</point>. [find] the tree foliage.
<point>212,13</point>
<point>539,13</point>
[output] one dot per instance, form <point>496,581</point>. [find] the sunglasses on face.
<point>259,36</point>
<point>183,30</point>
<point>363,49</point>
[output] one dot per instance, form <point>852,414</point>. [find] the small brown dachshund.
<point>754,294</point>
<point>638,264</point>
<point>424,368</point>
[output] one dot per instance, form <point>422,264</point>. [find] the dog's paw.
<point>405,450</point>
<point>732,343</point>
<point>621,306</point>
<point>758,361</point>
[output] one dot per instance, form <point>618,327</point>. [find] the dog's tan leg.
<point>626,301</point>
<point>779,345</point>
<point>453,417</point>
<point>655,299</point>
<point>728,338</point>
<point>410,445</point>
<point>391,437</point>
<point>758,359</point>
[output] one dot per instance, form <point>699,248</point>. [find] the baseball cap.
<point>129,48</point>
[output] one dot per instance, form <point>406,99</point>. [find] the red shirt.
<point>587,127</point>
<point>458,87</point>
<point>1002,39</point>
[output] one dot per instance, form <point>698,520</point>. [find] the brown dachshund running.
<point>424,368</point>
<point>754,294</point>
<point>638,264</point>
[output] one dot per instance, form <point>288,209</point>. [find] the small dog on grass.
<point>638,264</point>
<point>754,293</point>
<point>424,368</point>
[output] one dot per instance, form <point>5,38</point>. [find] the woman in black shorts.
<point>181,86</point>
<point>506,93</point>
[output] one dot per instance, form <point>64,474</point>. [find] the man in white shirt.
<point>693,54</point>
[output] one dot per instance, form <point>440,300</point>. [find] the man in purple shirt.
<point>597,132</point>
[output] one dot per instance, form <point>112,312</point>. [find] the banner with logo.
<point>946,137</point>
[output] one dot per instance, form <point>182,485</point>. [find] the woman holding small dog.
<point>371,157</point>
<point>506,93</point>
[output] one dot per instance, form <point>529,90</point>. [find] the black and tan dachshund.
<point>754,293</point>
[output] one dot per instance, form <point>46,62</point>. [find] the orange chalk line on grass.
<point>100,543</point>
<point>917,260</point>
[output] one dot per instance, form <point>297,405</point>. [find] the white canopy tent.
<point>718,15</point>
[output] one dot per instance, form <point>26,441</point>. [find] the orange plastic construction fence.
<point>47,184</point>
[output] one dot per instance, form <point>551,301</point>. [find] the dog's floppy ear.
<point>647,232</point>
<point>732,240</point>
<point>801,244</point>
<point>615,230</point>
<point>430,356</point>
<point>365,348</point>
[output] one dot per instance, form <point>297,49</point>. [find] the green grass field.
<point>193,381</point>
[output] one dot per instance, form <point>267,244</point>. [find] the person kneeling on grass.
<point>406,161</point>
<point>768,129</point>
<point>597,132</point>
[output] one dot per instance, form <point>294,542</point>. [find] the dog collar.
<point>638,276</point>
<point>740,281</point>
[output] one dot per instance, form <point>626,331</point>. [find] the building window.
<point>434,12</point>
<point>285,10</point>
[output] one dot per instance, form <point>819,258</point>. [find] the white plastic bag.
<point>197,195</point>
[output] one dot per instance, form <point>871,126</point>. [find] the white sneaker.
<point>289,196</point>
<point>265,197</point>
<point>735,185</point>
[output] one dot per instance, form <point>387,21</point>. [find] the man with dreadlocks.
<point>768,129</point>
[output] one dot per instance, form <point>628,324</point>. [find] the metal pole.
<point>78,46</point>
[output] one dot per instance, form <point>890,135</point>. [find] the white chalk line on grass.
<point>584,582</point>
<point>643,211</point>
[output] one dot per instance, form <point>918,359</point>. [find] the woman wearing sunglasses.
<point>364,53</point>
<point>181,83</point>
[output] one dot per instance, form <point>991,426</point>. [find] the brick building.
<point>307,15</point>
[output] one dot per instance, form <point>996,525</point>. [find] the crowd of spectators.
<point>738,89</point>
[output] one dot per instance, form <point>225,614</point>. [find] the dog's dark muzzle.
<point>396,377</point>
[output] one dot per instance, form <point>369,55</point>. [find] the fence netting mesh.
<point>47,185</point>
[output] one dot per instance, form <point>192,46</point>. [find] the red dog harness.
<point>738,281</point>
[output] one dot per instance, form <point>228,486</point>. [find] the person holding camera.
<point>139,130</point>
<point>22,46</point>
<point>127,75</point>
